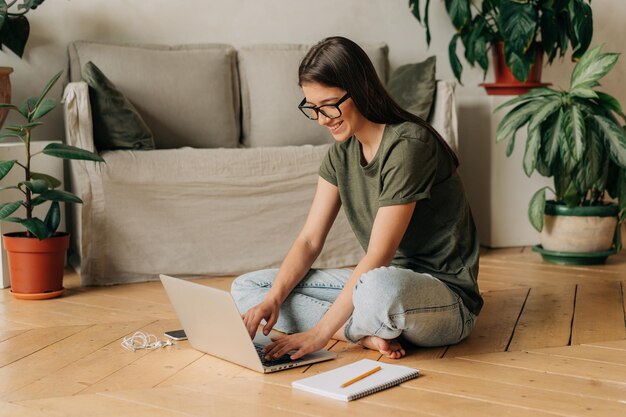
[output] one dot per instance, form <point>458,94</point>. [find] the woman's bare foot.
<point>390,348</point>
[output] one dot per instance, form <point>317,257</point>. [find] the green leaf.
<point>510,146</point>
<point>536,208</point>
<point>14,33</point>
<point>614,136</point>
<point>36,186</point>
<point>546,110</point>
<point>5,136</point>
<point>582,27</point>
<point>530,96</point>
<point>609,102</point>
<point>9,208</point>
<point>5,167</point>
<point>582,92</point>
<point>51,181</point>
<point>34,226</point>
<point>60,150</point>
<point>577,131</point>
<point>459,12</point>
<point>549,31</point>
<point>455,63</point>
<point>53,218</point>
<point>60,195</point>
<point>426,22</point>
<point>571,196</point>
<point>44,108</point>
<point>8,106</point>
<point>551,138</point>
<point>27,107</point>
<point>3,12</point>
<point>533,143</point>
<point>45,91</point>
<point>592,66</point>
<point>518,23</point>
<point>516,118</point>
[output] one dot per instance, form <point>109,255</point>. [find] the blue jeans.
<point>388,302</point>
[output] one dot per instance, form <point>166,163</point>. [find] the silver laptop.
<point>213,325</point>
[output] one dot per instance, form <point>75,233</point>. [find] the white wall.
<point>241,22</point>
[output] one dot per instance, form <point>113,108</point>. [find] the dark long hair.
<point>339,62</point>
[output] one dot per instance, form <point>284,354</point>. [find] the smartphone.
<point>176,334</point>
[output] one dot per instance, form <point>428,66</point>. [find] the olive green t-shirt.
<point>411,165</point>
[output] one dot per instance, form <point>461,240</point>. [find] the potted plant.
<point>574,136</point>
<point>518,33</point>
<point>14,31</point>
<point>37,255</point>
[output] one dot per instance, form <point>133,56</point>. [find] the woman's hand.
<point>310,341</point>
<point>267,310</point>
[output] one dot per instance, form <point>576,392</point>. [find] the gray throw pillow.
<point>413,87</point>
<point>116,122</point>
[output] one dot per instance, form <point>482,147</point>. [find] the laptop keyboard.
<point>277,361</point>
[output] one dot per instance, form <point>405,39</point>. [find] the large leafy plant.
<point>519,24</point>
<point>37,188</point>
<point>573,136</point>
<point>14,26</point>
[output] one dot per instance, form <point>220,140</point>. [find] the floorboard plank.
<point>590,353</point>
<point>515,395</point>
<point>570,367</point>
<point>7,334</point>
<point>58,355</point>
<point>615,344</point>
<point>297,401</point>
<point>546,320</point>
<point>31,341</point>
<point>494,325</point>
<point>87,371</point>
<point>586,387</point>
<point>96,406</point>
<point>599,313</point>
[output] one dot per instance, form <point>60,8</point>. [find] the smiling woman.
<point>397,181</point>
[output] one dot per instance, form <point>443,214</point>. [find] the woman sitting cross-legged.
<point>396,179</point>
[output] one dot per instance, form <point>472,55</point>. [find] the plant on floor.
<point>573,136</point>
<point>14,26</point>
<point>37,188</point>
<point>516,23</point>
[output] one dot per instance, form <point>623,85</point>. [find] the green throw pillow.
<point>116,122</point>
<point>413,87</point>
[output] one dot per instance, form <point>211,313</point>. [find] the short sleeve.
<point>327,169</point>
<point>408,171</point>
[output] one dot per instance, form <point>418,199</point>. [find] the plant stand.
<point>42,163</point>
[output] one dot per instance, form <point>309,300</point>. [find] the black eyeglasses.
<point>332,111</point>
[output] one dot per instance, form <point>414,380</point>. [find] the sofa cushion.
<point>116,122</point>
<point>413,86</point>
<point>187,94</point>
<point>270,94</point>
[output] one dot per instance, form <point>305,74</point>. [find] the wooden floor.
<point>551,340</point>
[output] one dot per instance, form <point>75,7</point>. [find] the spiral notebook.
<point>329,383</point>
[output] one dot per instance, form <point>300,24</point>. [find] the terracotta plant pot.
<point>506,83</point>
<point>5,91</point>
<point>36,266</point>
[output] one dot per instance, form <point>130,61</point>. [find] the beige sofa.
<point>230,183</point>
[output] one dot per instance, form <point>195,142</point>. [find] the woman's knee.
<point>252,283</point>
<point>378,288</point>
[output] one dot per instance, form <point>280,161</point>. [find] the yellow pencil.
<point>360,377</point>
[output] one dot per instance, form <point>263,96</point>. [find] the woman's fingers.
<point>270,324</point>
